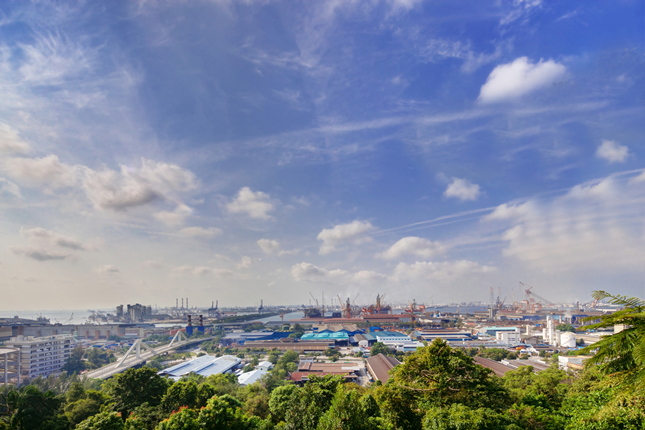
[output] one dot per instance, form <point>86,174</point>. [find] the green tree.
<point>184,419</point>
<point>97,358</point>
<point>438,376</point>
<point>621,356</point>
<point>28,408</point>
<point>135,387</point>
<point>380,348</point>
<point>281,400</point>
<point>311,402</point>
<point>566,327</point>
<point>180,394</point>
<point>89,403</point>
<point>75,363</point>
<point>460,417</point>
<point>223,383</point>
<point>102,421</point>
<point>348,412</point>
<point>145,417</point>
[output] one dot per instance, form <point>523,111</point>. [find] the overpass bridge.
<point>135,356</point>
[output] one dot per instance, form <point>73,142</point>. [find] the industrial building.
<point>339,338</point>
<point>82,331</point>
<point>307,368</point>
<point>290,345</point>
<point>41,356</point>
<point>205,365</point>
<point>251,377</point>
<point>447,335</point>
<point>572,362</point>
<point>380,365</point>
<point>9,366</point>
<point>241,338</point>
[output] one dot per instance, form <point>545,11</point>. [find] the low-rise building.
<point>41,356</point>
<point>508,337</point>
<point>572,362</point>
<point>380,365</point>
<point>251,377</point>
<point>205,365</point>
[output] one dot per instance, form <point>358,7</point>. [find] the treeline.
<point>435,388</point>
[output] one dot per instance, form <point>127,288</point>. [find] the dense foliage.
<point>438,387</point>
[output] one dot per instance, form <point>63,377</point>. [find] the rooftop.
<point>380,366</point>
<point>249,378</point>
<point>205,365</point>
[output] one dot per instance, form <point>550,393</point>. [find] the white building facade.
<point>42,356</point>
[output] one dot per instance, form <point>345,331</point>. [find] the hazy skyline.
<point>239,151</point>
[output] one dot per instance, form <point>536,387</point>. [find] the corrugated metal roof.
<point>249,378</point>
<point>339,335</point>
<point>205,366</point>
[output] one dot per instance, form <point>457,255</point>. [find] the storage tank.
<point>568,340</point>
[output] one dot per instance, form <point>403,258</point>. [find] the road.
<point>145,355</point>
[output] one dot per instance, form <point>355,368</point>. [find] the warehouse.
<point>205,365</point>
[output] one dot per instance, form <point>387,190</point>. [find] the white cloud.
<point>40,254</point>
<point>413,246</point>
<point>354,230</point>
<point>244,263</point>
<point>592,227</point>
<point>254,204</point>
<point>439,271</point>
<point>269,246</point>
<point>47,172</point>
<point>9,187</point>
<point>521,10</point>
<point>439,49</point>
<point>513,80</point>
<point>612,151</point>
<point>176,217</point>
<point>200,232</point>
<point>369,276</point>
<point>463,189</point>
<point>107,269</point>
<point>10,141</point>
<point>132,187</point>
<point>307,271</point>
<point>201,271</point>
<point>508,211</point>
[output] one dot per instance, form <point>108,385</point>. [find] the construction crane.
<point>315,300</point>
<point>530,294</point>
<point>71,318</point>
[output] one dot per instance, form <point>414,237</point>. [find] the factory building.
<point>380,365</point>
<point>447,335</point>
<point>306,368</point>
<point>205,365</point>
<point>251,377</point>
<point>41,356</point>
<point>242,338</point>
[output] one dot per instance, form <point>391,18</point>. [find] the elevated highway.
<point>136,356</point>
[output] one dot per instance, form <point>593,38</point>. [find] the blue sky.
<point>253,150</point>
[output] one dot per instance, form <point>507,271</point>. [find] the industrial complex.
<point>529,327</point>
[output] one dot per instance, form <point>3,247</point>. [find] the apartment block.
<point>42,356</point>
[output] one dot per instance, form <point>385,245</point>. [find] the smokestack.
<point>176,303</point>
<point>187,307</point>
<point>190,321</point>
<point>182,303</point>
<point>201,320</point>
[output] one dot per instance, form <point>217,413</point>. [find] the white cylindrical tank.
<point>568,340</point>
